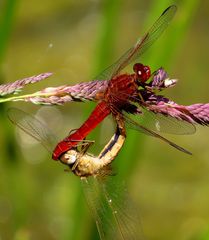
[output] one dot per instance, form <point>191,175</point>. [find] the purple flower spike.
<point>161,81</point>
<point>199,112</point>
<point>63,94</point>
<point>195,113</point>
<point>15,87</point>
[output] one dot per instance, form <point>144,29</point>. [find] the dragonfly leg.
<point>73,130</point>
<point>140,97</point>
<point>86,145</point>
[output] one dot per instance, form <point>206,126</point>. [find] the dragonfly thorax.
<point>143,72</point>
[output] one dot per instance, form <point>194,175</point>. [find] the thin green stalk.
<point>111,10</point>
<point>6,23</point>
<point>108,34</point>
<point>24,97</point>
<point>12,175</point>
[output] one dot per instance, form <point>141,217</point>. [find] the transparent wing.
<point>164,123</point>
<point>155,121</point>
<point>33,127</point>
<point>136,126</point>
<point>141,45</point>
<point>112,209</point>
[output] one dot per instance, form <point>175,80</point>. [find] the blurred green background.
<point>76,40</point>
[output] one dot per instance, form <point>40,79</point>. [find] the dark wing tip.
<point>170,8</point>
<point>180,148</point>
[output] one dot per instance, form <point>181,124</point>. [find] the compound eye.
<point>138,68</point>
<point>147,72</point>
<point>143,72</point>
<point>69,157</point>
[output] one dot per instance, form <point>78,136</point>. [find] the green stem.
<point>24,97</point>
<point>6,25</point>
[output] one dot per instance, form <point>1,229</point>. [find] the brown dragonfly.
<point>109,201</point>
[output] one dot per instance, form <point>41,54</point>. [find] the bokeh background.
<point>76,40</point>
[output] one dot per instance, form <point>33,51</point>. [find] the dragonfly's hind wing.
<point>112,209</point>
<point>33,127</point>
<point>165,123</point>
<point>156,121</point>
<point>136,126</point>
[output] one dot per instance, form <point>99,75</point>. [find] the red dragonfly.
<point>108,200</point>
<point>121,92</point>
<point>125,85</point>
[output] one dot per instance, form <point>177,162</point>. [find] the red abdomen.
<point>100,112</point>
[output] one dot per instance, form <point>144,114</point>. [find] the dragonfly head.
<point>70,157</point>
<point>143,72</point>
